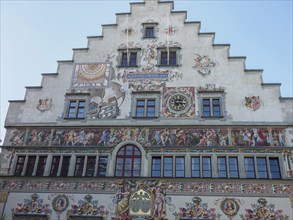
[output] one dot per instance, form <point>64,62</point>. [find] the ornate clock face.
<point>179,103</point>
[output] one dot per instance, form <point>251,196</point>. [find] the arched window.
<point>128,162</point>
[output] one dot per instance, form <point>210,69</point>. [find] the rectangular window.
<point>41,165</point>
<point>19,165</point>
<point>262,168</point>
<point>275,169</point>
<point>195,166</point>
<point>233,167</point>
<point>90,166</point>
<point>76,109</point>
<point>222,167</point>
<point>206,167</point>
<point>79,166</point>
<point>30,165</point>
<point>102,166</point>
<point>249,167</point>
<point>179,166</point>
<point>145,108</point>
<point>128,58</point>
<point>211,107</point>
<point>156,167</point>
<point>149,32</point>
<point>168,166</point>
<point>65,166</point>
<point>55,166</point>
<point>168,58</point>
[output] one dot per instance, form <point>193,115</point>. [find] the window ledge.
<point>174,65</point>
<point>65,118</point>
<point>149,37</point>
<point>127,66</point>
<point>145,118</point>
<point>212,117</point>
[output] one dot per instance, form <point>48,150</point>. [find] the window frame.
<point>55,166</point>
<point>41,166</point>
<point>212,95</point>
<point>100,167</point>
<point>278,166</point>
<point>149,26</point>
<point>198,166</point>
<point>145,96</point>
<point>221,169</point>
<point>125,156</point>
<point>165,167</point>
<point>30,165</point>
<point>167,55</point>
<point>207,170</point>
<point>128,57</point>
<point>79,165</point>
<point>76,109</point>
<point>65,165</point>
<point>177,168</point>
<point>19,165</point>
<point>158,158</point>
<point>90,165</point>
<point>233,170</point>
<point>265,166</point>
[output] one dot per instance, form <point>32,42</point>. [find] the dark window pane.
<point>124,59</point>
<point>149,32</point>
<point>195,167</point>
<point>179,167</point>
<point>90,167</point>
<point>172,58</point>
<point>55,165</point>
<point>79,166</point>
<point>19,165</point>
<point>30,165</point>
<point>132,61</point>
<point>164,58</point>
<point>41,165</point>
<point>65,166</point>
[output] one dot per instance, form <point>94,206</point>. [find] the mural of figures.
<point>263,211</point>
<point>229,206</point>
<point>38,137</point>
<point>91,75</point>
<point>196,210</point>
<point>252,102</point>
<point>88,207</point>
<point>18,137</point>
<point>32,207</point>
<point>257,137</point>
<point>205,65</point>
<point>160,137</point>
<point>178,102</point>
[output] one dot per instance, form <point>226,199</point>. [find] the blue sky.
<point>35,34</point>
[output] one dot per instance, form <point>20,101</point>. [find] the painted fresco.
<point>188,110</point>
<point>204,65</point>
<point>86,207</point>
<point>44,104</point>
<point>106,102</point>
<point>229,206</point>
<point>264,211</point>
<point>153,202</point>
<point>38,137</point>
<point>32,207</point>
<point>110,137</point>
<point>196,210</point>
<point>257,137</point>
<point>91,75</point>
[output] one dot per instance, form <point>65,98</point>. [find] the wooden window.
<point>145,108</point>
<point>128,58</point>
<point>262,167</point>
<point>211,107</point>
<point>206,167</point>
<point>168,58</point>
<point>149,32</point>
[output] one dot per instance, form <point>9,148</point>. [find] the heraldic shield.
<point>140,203</point>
